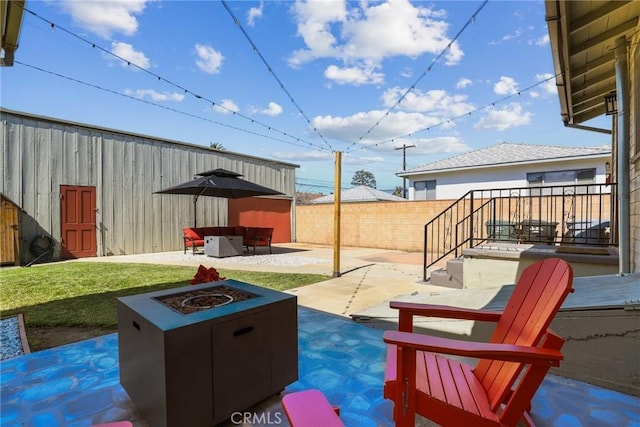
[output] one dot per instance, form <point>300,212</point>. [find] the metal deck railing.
<point>563,214</point>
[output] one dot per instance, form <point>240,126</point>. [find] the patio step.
<point>454,268</point>
<point>442,278</point>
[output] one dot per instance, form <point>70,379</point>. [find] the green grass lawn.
<point>83,295</point>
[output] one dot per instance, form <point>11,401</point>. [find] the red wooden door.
<point>78,217</point>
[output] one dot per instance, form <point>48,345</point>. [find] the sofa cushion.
<point>250,233</point>
<point>258,236</point>
<point>228,231</point>
<point>192,233</point>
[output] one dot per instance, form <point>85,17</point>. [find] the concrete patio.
<point>78,384</point>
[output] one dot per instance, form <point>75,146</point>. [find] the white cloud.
<point>304,155</point>
<point>517,33</point>
<point>314,20</point>
<point>209,60</point>
<point>227,106</point>
<point>463,83</point>
<point>129,54</point>
<point>430,146</point>
<point>272,110</point>
<point>351,128</point>
<point>505,86</point>
<point>351,32</point>
<point>105,18</point>
<point>511,115</point>
<point>423,146</point>
<point>154,95</point>
<point>352,160</point>
<point>436,102</point>
<point>548,87</point>
<point>353,75</point>
<point>254,13</point>
<point>542,41</point>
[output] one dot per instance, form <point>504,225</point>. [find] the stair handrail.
<point>470,215</point>
<point>447,211</point>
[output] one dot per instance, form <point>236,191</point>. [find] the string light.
<point>471,20</point>
<point>160,78</point>
<point>469,113</point>
<point>413,86</point>
<point>275,76</point>
<point>164,107</point>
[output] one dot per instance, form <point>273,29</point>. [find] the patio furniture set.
<point>226,241</point>
<point>259,338</point>
<point>594,232</point>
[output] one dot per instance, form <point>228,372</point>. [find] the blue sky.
<point>335,75</point>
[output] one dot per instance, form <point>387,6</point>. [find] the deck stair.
<point>561,214</point>
<point>450,276</point>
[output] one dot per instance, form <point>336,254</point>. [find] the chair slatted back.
<point>536,298</point>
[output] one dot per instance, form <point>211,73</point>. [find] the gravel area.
<point>266,259</point>
<point>10,342</point>
<point>275,259</point>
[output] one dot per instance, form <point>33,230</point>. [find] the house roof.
<point>361,193</point>
<point>506,154</point>
<point>583,37</point>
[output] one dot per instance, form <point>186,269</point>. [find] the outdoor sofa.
<point>251,236</point>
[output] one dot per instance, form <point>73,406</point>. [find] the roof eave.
<point>11,19</point>
<point>556,21</point>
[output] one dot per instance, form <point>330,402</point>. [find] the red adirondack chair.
<point>498,391</point>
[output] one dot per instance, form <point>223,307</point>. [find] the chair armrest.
<point>432,310</point>
<point>494,351</point>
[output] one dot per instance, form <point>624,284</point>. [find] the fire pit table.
<point>193,356</point>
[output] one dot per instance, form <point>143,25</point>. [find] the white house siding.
<point>40,154</point>
<point>454,184</point>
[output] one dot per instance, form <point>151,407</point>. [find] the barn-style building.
<point>90,191</point>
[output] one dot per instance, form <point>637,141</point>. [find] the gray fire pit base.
<point>198,369</point>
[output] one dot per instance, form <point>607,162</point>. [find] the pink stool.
<point>115,424</point>
<point>310,408</point>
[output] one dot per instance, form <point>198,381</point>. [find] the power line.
<point>53,25</point>
<point>471,20</point>
<point>94,86</point>
<point>273,73</point>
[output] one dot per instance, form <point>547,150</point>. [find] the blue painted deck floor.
<point>78,384</point>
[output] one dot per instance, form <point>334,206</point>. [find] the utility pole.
<point>404,167</point>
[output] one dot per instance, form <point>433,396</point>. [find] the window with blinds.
<point>564,178</point>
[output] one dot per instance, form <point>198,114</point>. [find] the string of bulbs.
<point>183,89</point>
<point>298,141</point>
<point>273,73</point>
<point>453,119</point>
<point>174,110</point>
<point>470,21</point>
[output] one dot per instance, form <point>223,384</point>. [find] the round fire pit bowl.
<point>210,299</point>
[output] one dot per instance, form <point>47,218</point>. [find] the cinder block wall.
<point>386,225</point>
